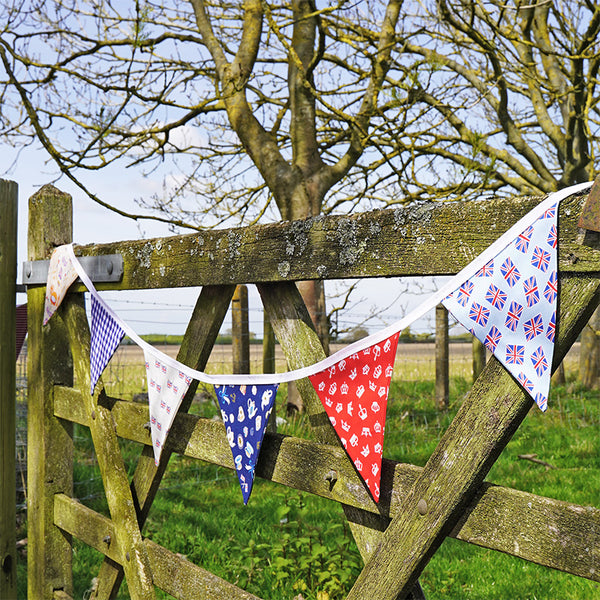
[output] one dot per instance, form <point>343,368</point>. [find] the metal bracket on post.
<point>104,268</point>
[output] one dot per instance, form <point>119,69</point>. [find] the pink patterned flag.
<point>511,305</point>
<point>354,393</point>
<point>61,274</point>
<point>166,388</point>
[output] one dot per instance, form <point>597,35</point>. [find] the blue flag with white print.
<point>245,410</point>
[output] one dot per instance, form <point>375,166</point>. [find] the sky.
<point>159,311</point>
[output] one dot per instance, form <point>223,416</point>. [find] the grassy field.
<point>285,544</point>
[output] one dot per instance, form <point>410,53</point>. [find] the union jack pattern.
<point>487,270</point>
<point>551,289</point>
<point>464,293</point>
<point>523,239</point>
<point>552,237</point>
<point>515,354</point>
<point>166,388</point>
<point>540,259</point>
<point>510,272</point>
<point>492,338</point>
<point>517,321</point>
<point>496,297</point>
<point>513,316</point>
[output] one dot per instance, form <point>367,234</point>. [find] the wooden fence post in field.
<point>240,332</point>
<point>8,276</point>
<point>50,440</point>
<point>478,350</point>
<point>442,379</point>
<point>269,362</point>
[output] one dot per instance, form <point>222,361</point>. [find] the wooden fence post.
<point>478,350</point>
<point>442,379</point>
<point>8,493</point>
<point>50,440</point>
<point>240,332</point>
<point>269,363</point>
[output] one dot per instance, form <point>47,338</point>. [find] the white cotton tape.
<point>275,378</point>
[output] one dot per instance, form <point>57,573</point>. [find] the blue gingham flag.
<point>510,305</point>
<point>106,336</point>
<point>245,410</point>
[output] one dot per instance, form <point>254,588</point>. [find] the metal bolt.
<point>94,415</point>
<point>106,539</point>
<point>109,267</point>
<point>127,556</point>
<point>422,507</point>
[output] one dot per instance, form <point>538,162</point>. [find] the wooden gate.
<point>419,507</point>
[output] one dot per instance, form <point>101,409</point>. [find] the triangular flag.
<point>245,410</point>
<point>166,388</point>
<point>354,393</point>
<point>106,335</point>
<point>21,327</point>
<point>61,274</point>
<point>510,305</point>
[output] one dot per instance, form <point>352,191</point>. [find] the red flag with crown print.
<point>354,393</point>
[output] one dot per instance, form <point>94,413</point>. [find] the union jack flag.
<point>492,339</point>
<point>552,237</point>
<point>551,331</point>
<point>163,368</point>
<point>510,272</point>
<point>551,289</point>
<point>515,354</point>
<point>540,259</point>
<point>533,327</point>
<point>538,359</point>
<point>513,316</point>
<point>496,297</point>
<point>525,382</point>
<point>157,364</point>
<point>464,293</point>
<point>522,241</point>
<point>531,291</point>
<point>541,401</point>
<point>550,213</point>
<point>479,314</point>
<point>163,404</point>
<point>487,270</point>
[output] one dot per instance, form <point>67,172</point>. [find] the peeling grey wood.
<point>388,243</point>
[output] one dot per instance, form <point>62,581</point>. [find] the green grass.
<point>285,543</point>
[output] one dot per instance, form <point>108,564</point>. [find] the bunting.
<point>245,410</point>
<point>61,274</point>
<point>166,388</point>
<point>506,297</point>
<point>510,305</point>
<point>354,393</point>
<point>106,335</point>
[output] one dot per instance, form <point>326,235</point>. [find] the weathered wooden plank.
<point>494,409</point>
<point>8,279</point>
<point>50,443</point>
<point>522,523</point>
<point>135,561</point>
<point>196,346</point>
<point>388,243</point>
<point>172,572</point>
